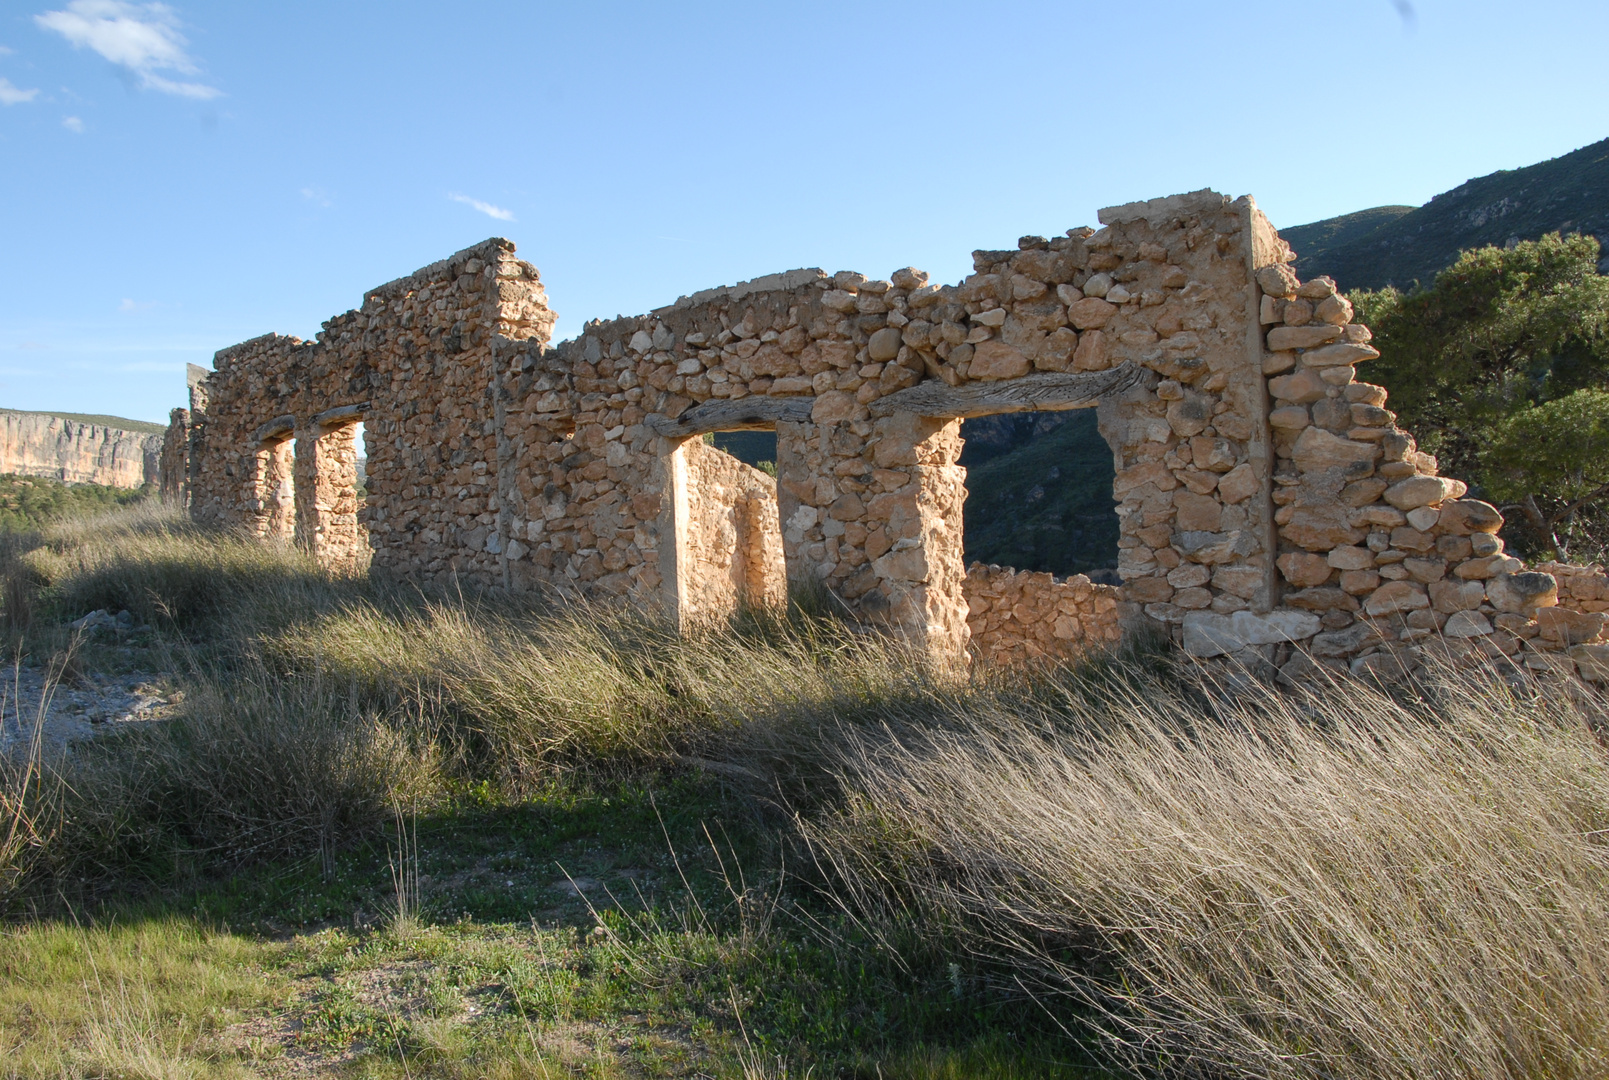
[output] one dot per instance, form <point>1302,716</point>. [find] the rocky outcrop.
<point>35,444</point>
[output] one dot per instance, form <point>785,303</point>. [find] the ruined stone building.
<point>1266,498</point>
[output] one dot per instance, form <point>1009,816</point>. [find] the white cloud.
<point>136,305</point>
<point>144,39</point>
<point>11,95</point>
<point>484,207</point>
<point>73,124</point>
<point>317,196</point>
<point>5,51</point>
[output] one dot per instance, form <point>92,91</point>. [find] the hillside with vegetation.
<point>1396,245</point>
<point>30,502</point>
<point>1039,494</point>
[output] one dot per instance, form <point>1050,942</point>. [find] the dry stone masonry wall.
<point>1268,506</point>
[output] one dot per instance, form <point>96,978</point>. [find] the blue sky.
<point>176,178</point>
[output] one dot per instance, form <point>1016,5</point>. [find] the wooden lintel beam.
<point>332,417</point>
<point>744,414</point>
<point>1045,391</point>
<point>279,425</point>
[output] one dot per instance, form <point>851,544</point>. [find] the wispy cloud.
<point>142,39</point>
<point>136,305</point>
<point>317,196</point>
<point>5,51</point>
<point>73,124</point>
<point>32,345</point>
<point>12,95</point>
<point>484,207</point>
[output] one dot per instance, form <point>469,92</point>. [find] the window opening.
<point>1039,494</point>
<point>756,448</point>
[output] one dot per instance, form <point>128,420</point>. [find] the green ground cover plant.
<point>28,502</point>
<point>389,833</point>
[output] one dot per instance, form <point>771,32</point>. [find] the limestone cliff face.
<point>34,444</point>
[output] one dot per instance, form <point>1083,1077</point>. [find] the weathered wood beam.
<point>1046,391</point>
<point>332,417</point>
<point>745,414</point>
<point>278,426</point>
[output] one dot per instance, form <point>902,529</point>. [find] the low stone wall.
<point>1016,616</point>
<point>37,444</point>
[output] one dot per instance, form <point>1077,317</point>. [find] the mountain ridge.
<point>1396,245</point>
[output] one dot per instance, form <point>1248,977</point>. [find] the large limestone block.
<point>1208,634</point>
<point>1319,451</point>
<point>1197,513</point>
<point>1304,569</point>
<point>1213,548</point>
<point>1396,596</point>
<point>1091,313</point>
<point>994,360</point>
<point>884,344</point>
<point>1522,593</point>
<point>1322,527</point>
<point>835,407</point>
<point>1345,352</point>
<point>1592,661</point>
<point>1561,626</point>
<point>1417,491</point>
<point>1466,624</point>
<point>1456,595</point>
<point>908,564</point>
<point>1464,516</point>
<point>1241,581</point>
<point>1347,642</point>
<point>1301,337</point>
<point>1239,484</point>
<point>1304,387</point>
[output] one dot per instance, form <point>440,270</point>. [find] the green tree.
<point>1485,366</point>
<point>1552,461</point>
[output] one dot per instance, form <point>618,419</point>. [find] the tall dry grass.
<point>1218,881</point>
<point>1260,884</point>
<point>314,700</point>
<point>520,693</point>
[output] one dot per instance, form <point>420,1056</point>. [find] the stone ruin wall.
<point>417,366</point>
<point>1017,616</point>
<point>1269,508</point>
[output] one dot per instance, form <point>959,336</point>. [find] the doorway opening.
<point>275,494</point>
<point>1039,494</point>
<point>729,531</point>
<point>331,524</point>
